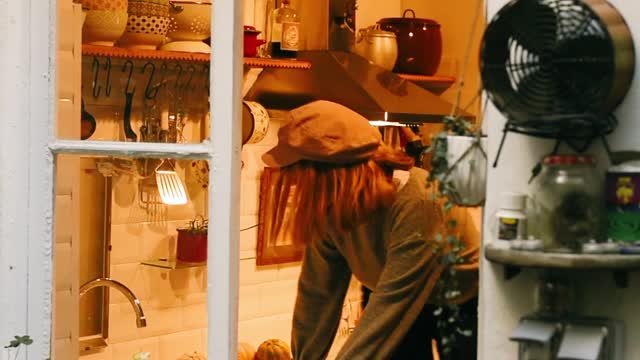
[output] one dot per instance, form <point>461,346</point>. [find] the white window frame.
<point>28,146</point>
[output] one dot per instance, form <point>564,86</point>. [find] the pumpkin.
<point>273,349</point>
<point>245,351</point>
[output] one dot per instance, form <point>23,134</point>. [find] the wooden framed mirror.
<point>282,249</point>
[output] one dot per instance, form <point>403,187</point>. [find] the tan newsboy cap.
<point>323,131</point>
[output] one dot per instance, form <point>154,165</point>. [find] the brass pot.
<point>378,46</point>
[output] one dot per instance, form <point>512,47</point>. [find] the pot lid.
<point>570,160</point>
<point>251,29</point>
<point>374,32</point>
<point>409,20</point>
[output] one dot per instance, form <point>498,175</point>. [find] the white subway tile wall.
<point>174,302</point>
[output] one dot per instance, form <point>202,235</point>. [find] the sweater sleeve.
<point>408,276</point>
<point>322,286</point>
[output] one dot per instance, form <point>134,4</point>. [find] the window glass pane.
<point>127,220</point>
<point>121,77</point>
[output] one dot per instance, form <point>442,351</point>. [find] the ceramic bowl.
<point>190,25</point>
<point>105,21</point>
<point>147,25</point>
<point>190,20</point>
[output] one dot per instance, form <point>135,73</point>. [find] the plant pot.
<point>191,247</point>
<point>469,176</point>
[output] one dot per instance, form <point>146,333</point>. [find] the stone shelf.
<point>515,260</point>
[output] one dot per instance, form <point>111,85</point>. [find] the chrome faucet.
<point>141,321</point>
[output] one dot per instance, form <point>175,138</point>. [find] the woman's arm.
<point>322,286</point>
<point>410,273</point>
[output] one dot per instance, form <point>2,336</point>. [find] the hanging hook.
<point>107,87</point>
<point>150,93</point>
<point>96,71</point>
<point>205,71</point>
<point>124,68</point>
<point>192,70</point>
<point>179,67</point>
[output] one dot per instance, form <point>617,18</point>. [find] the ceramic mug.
<point>260,122</point>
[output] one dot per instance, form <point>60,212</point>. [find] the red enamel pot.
<point>419,43</point>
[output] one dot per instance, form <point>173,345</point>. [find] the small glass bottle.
<point>285,32</point>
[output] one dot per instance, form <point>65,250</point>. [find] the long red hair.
<point>317,196</point>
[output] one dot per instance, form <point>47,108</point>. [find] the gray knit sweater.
<point>393,254</point>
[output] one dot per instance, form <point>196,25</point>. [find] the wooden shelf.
<point>117,52</point>
<point>515,260</point>
<point>172,264</point>
<point>437,84</point>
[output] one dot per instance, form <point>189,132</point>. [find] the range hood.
<point>352,81</point>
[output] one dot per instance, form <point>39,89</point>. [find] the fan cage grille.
<point>546,61</point>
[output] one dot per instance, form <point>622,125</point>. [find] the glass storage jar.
<point>568,207</point>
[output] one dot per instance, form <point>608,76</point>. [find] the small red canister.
<point>192,245</point>
<point>251,41</point>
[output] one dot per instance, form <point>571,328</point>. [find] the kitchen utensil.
<point>129,134</point>
<point>419,43</point>
<point>378,46</point>
<point>251,41</point>
<point>170,186</point>
<point>105,21</point>
<point>147,25</point>
<point>190,26</point>
<point>87,123</point>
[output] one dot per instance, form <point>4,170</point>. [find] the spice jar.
<point>568,203</point>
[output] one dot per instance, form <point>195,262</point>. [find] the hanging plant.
<point>457,177</point>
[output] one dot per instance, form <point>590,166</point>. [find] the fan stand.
<point>579,131</point>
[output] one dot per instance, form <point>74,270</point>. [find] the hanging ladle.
<point>87,123</point>
<point>129,134</point>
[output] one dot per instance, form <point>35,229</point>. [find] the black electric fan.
<point>557,68</point>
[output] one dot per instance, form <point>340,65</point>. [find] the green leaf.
<point>448,206</point>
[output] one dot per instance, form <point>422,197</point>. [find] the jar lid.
<point>513,201</point>
<point>374,32</point>
<point>409,20</point>
<point>569,160</point>
<point>251,29</point>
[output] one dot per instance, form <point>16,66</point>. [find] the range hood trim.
<point>352,81</point>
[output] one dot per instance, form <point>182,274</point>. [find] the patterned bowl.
<point>105,22</point>
<point>190,25</point>
<point>148,24</point>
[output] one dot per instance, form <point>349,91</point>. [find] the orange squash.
<point>273,349</point>
<point>245,351</point>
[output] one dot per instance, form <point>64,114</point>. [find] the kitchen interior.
<point>131,256</point>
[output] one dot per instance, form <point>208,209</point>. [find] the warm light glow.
<point>410,34</point>
<point>170,186</point>
<point>385,123</point>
